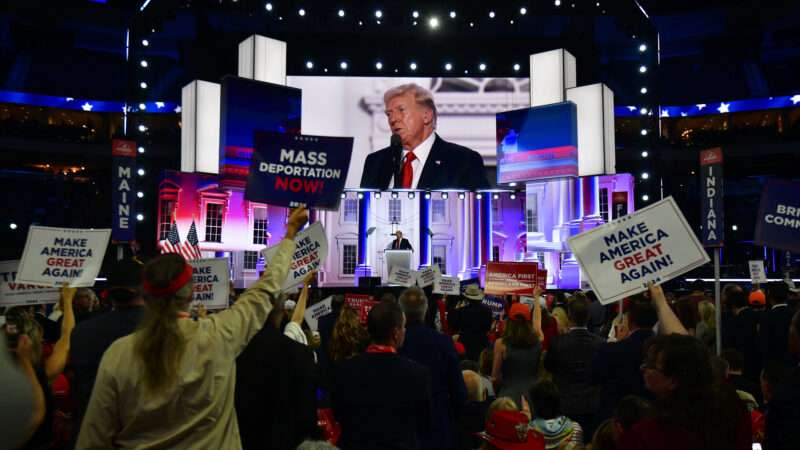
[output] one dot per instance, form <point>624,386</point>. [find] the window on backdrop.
<point>495,253</point>
<point>395,210</point>
<point>165,218</point>
<point>438,213</point>
<point>497,210</point>
<point>250,260</point>
<point>260,226</point>
<point>350,210</point>
<point>440,257</point>
<point>532,216</point>
<point>213,222</point>
<point>604,204</point>
<point>349,259</point>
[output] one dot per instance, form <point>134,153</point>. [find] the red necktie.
<point>408,172</point>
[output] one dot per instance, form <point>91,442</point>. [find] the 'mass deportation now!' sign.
<point>778,221</point>
<point>652,244</point>
<point>53,256</point>
<point>293,170</point>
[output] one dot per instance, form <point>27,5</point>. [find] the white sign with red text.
<point>15,294</point>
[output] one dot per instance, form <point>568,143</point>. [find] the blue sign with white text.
<point>778,221</point>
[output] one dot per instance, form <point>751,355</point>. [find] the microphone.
<point>396,145</point>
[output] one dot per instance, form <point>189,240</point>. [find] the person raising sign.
<point>400,243</point>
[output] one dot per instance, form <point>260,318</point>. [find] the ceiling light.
<point>523,10</point>
<point>645,175</point>
<point>379,65</point>
<point>341,13</point>
<point>301,12</point>
<point>448,67</point>
<point>642,48</point>
<point>309,65</point>
<point>433,22</point>
<point>378,14</point>
<point>412,66</point>
<point>516,67</point>
<point>143,63</point>
<point>343,65</point>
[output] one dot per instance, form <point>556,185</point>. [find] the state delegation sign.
<point>211,282</point>
<point>652,244</point>
<point>53,256</point>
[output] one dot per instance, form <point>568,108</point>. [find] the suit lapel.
<point>432,173</point>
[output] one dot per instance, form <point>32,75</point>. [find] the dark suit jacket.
<point>382,401</point>
<point>743,331</point>
<point>616,368</point>
<point>783,416</point>
<point>472,322</point>
<point>774,335</point>
<point>404,245</point>
<point>436,352</point>
<point>569,359</point>
<point>90,339</point>
<point>448,166</point>
<point>275,395</point>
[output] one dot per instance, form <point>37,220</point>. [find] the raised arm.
<point>24,356</point>
<point>58,359</point>
<point>668,322</point>
<point>302,301</point>
<point>497,362</point>
<point>537,313</point>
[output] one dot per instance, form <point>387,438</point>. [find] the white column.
<point>200,103</point>
<point>552,73</point>
<point>263,59</point>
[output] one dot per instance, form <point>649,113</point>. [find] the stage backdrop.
<point>353,106</point>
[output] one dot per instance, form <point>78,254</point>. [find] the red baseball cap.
<point>520,310</point>
<point>508,430</point>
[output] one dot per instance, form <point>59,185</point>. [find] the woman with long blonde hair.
<point>171,383</point>
<point>349,337</point>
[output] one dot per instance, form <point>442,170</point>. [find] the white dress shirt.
<point>421,152</point>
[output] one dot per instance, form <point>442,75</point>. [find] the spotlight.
<point>343,195</point>
<point>411,195</point>
<point>377,195</point>
<point>360,195</point>
<point>143,85</point>
<point>268,6</point>
<point>301,12</point>
<point>142,128</point>
<point>140,172</point>
<point>645,175</point>
<point>495,196</point>
<point>481,67</point>
<point>643,90</point>
<point>452,14</point>
<point>471,24</point>
<point>558,2</point>
<point>341,13</point>
<point>643,111</point>
<point>646,197</point>
<point>415,23</point>
<point>512,196</point>
<point>523,11</point>
<point>379,65</point>
<point>378,14</point>
<point>516,67</point>
<point>415,14</point>
<point>142,106</point>
<point>143,63</point>
<point>343,65</point>
<point>394,194</point>
<point>140,194</point>
<point>445,195</point>
<point>140,217</point>
<point>145,43</point>
<point>642,48</point>
<point>734,227</point>
<point>360,23</point>
<point>645,154</point>
<point>433,22</point>
<point>461,196</point>
<point>491,14</point>
<point>412,66</point>
<point>141,149</point>
<point>448,67</point>
<point>479,196</point>
<point>309,64</point>
<point>427,195</point>
<point>642,69</point>
<point>644,132</point>
<point>12,225</point>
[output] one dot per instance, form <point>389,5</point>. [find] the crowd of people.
<point>140,368</point>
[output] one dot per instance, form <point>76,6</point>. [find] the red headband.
<point>173,286</point>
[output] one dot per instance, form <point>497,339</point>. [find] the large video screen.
<point>248,106</point>
<point>537,143</point>
<point>466,109</point>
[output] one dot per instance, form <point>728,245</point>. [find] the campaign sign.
<point>778,221</point>
<point>317,310</point>
<point>495,304</point>
<point>311,249</point>
<point>541,277</point>
<point>511,278</point>
<point>356,300</point>
<point>123,190</point>
<point>14,294</point>
<point>757,273</point>
<point>447,285</point>
<point>401,276</point>
<point>53,256</point>
<point>364,309</point>
<point>211,282</point>
<point>652,244</point>
<point>712,211</point>
<point>293,170</point>
<point>425,277</point>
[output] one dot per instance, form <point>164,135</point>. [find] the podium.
<point>397,258</point>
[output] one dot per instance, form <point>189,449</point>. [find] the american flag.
<point>173,241</point>
<point>189,247</point>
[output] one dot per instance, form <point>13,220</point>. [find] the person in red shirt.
<point>691,411</point>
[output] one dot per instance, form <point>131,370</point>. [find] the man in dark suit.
<point>276,381</point>
<point>381,399</point>
<point>436,352</point>
<point>774,329</point>
<point>92,337</point>
<point>569,359</point>
<point>400,243</point>
<point>425,160</point>
<point>616,367</point>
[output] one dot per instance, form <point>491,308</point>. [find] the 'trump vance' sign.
<point>53,256</point>
<point>13,293</point>
<point>652,244</point>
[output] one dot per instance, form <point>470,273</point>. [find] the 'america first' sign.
<point>123,188</point>
<point>653,244</point>
<point>293,170</point>
<point>712,211</point>
<point>778,221</point>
